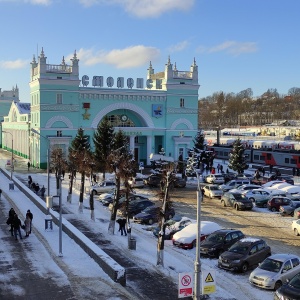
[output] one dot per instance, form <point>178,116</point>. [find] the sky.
<point>237,44</point>
<point>176,260</point>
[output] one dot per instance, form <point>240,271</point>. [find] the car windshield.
<point>215,237</point>
<point>295,281</point>
<point>214,188</point>
<point>271,265</point>
<point>239,248</point>
<point>149,209</point>
<point>240,197</point>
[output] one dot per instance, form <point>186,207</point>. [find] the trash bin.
<point>11,186</point>
<point>132,244</point>
<point>48,223</point>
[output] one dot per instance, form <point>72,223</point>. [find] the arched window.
<point>120,121</point>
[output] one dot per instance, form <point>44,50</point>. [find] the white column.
<point>131,143</point>
<point>149,148</point>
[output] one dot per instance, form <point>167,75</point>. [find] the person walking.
<point>43,191</point>
<point>28,165</point>
<point>10,220</point>
<point>27,224</point>
<point>122,224</point>
<point>30,215</point>
<point>0,193</point>
<point>17,227</point>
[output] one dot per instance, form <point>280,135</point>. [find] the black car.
<point>291,290</point>
<point>243,254</point>
<point>288,210</point>
<point>219,241</point>
<point>134,207</point>
<point>132,197</point>
<point>154,180</point>
<point>152,215</point>
<point>236,200</point>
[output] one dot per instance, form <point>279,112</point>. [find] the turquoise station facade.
<point>160,111</point>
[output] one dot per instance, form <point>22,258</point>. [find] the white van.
<point>232,184</point>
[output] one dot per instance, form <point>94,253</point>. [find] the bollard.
<point>48,223</point>
<point>132,244</point>
<point>11,186</point>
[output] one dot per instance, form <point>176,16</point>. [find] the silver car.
<point>212,191</point>
<point>275,270</point>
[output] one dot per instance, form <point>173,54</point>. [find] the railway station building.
<point>158,112</point>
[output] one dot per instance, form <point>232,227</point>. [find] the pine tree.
<point>237,160</point>
<point>199,141</point>
<point>102,139</point>
<point>80,155</point>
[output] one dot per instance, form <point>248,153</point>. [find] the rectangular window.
<point>256,157</point>
<point>293,161</point>
<point>59,133</point>
<point>58,98</point>
<point>262,158</point>
<point>181,102</point>
<point>286,160</point>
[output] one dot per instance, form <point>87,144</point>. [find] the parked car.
<point>259,196</point>
<point>215,178</point>
<point>271,183</point>
<point>275,202</point>
<point>229,176</point>
<point>212,191</point>
<point>232,184</point>
<point>103,187</point>
<point>172,226</point>
<point>297,213</point>
<point>134,207</point>
<point>275,270</point>
<point>136,182</point>
<point>244,254</point>
<point>296,227</point>
<point>186,238</point>
<point>219,241</point>
<point>154,181</point>
<point>152,215</point>
<point>236,200</point>
<point>286,178</point>
<point>244,188</point>
<point>131,198</point>
<point>290,290</point>
<point>288,210</point>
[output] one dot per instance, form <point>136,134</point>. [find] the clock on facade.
<point>124,118</point>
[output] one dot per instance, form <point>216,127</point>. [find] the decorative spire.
<point>169,60</point>
<point>175,68</point>
<point>33,59</point>
<point>42,53</point>
<point>63,61</point>
<point>150,66</point>
<point>74,59</point>
<point>194,64</point>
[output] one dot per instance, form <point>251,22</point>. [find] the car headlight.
<point>268,279</point>
<point>236,261</point>
<point>241,203</point>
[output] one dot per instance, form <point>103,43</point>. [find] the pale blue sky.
<point>237,44</point>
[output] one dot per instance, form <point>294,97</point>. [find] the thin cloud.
<point>131,57</point>
<point>145,8</point>
<point>33,2</point>
<point>231,47</point>
<point>179,47</point>
<point>14,64</point>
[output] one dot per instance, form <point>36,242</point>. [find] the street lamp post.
<point>48,160</point>
<point>12,154</point>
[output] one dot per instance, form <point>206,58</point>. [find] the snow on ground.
<point>229,285</point>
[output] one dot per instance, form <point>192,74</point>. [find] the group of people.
<point>36,187</point>
<point>122,224</point>
<point>16,224</point>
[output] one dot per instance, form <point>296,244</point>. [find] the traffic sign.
<point>208,282</point>
<point>185,286</point>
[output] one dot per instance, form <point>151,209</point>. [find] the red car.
<point>275,202</point>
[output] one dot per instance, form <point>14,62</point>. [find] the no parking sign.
<point>185,287</point>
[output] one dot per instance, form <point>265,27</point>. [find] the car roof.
<point>249,240</point>
<point>283,256</point>
<point>226,230</point>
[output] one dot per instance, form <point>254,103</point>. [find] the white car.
<point>186,238</point>
<point>212,191</point>
<point>245,188</point>
<point>275,270</point>
<point>104,187</point>
<point>296,227</point>
<point>137,182</point>
<point>257,194</point>
<point>271,183</point>
<point>215,178</point>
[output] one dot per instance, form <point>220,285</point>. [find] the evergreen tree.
<point>199,141</point>
<point>237,160</point>
<point>80,155</point>
<point>102,139</point>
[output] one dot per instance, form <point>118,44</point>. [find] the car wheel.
<point>194,244</point>
<point>277,285</point>
<point>244,267</point>
<point>292,214</point>
<point>94,192</point>
<point>296,232</point>
<point>273,209</point>
<point>150,221</point>
<point>252,199</point>
<point>236,207</point>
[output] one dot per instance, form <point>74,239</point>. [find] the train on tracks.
<point>263,152</point>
